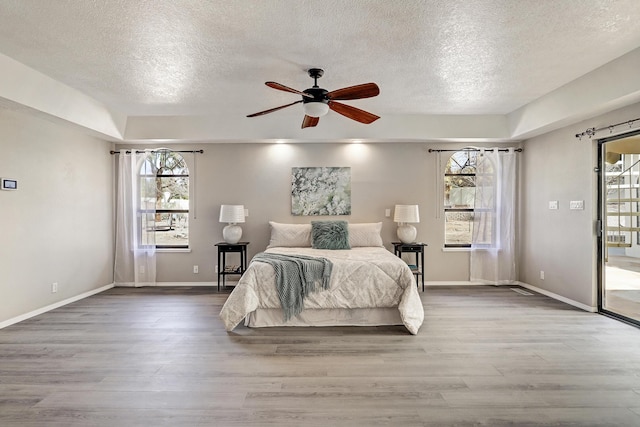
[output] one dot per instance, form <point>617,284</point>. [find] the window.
<point>164,200</point>
<point>459,195</point>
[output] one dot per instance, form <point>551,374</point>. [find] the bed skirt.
<point>270,317</point>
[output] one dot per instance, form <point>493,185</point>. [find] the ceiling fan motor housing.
<point>319,95</point>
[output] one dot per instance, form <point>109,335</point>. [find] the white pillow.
<point>365,234</point>
<point>290,235</point>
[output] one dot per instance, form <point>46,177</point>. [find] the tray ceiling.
<point>210,59</point>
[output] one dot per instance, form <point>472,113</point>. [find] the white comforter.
<point>366,277</point>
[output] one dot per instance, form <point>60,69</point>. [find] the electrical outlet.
<point>553,205</point>
<point>541,274</point>
<point>54,287</point>
<point>195,269</point>
<point>216,269</point>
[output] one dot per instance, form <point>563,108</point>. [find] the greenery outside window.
<point>459,196</point>
<point>165,175</point>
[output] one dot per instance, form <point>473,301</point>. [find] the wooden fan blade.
<point>366,90</point>
<point>271,110</point>
<point>353,113</point>
<point>278,86</point>
<point>309,121</point>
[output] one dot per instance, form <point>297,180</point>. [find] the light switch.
<point>246,212</point>
<point>387,213</point>
<point>576,205</point>
<point>553,204</point>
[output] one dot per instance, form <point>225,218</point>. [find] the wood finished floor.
<point>485,356</point>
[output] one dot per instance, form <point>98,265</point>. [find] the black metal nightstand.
<point>418,248</point>
<point>224,270</point>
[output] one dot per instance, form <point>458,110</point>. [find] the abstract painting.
<point>321,191</point>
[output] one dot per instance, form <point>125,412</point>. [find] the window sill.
<point>456,249</point>
<point>170,250</point>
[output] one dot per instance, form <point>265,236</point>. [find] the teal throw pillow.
<point>330,235</point>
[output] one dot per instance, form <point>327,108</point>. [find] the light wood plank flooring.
<point>485,356</point>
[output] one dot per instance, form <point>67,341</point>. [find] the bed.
<point>369,286</point>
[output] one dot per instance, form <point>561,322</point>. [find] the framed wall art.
<point>321,191</point>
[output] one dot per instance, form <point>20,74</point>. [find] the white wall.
<point>259,177</point>
<point>58,227</point>
<point>562,243</point>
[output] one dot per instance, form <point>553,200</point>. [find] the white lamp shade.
<point>406,213</point>
<point>232,214</point>
<point>316,109</point>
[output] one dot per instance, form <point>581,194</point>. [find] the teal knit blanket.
<point>296,277</point>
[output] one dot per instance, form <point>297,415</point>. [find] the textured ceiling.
<point>196,57</point>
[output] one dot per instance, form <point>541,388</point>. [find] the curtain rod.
<point>592,131</point>
<point>156,151</point>
<point>432,150</point>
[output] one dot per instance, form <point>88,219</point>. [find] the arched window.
<point>459,195</point>
<point>164,185</point>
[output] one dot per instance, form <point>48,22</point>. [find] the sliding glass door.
<point>619,245</point>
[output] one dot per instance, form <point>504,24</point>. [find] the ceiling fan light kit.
<point>318,101</point>
<point>316,109</point>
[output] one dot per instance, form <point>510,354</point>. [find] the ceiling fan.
<point>318,101</point>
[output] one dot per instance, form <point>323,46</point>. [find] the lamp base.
<point>232,233</point>
<point>407,233</point>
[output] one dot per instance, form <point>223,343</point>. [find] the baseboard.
<point>178,284</point>
<point>53,306</point>
<point>188,284</point>
<point>559,298</point>
<point>452,283</point>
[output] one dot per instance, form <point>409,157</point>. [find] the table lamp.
<point>404,214</point>
<point>232,215</point>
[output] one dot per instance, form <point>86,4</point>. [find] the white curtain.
<point>493,249</point>
<point>135,251</point>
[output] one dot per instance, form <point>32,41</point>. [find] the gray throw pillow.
<point>330,235</point>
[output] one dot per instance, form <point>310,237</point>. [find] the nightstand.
<point>225,270</point>
<point>418,248</point>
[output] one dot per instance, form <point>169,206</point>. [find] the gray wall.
<point>562,243</point>
<point>58,227</point>
<point>259,177</point>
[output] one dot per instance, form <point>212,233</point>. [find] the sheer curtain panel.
<point>493,257</point>
<point>135,252</point>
